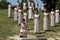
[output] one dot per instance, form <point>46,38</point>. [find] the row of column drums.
<point>23,19</point>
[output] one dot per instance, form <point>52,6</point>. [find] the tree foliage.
<point>50,4</point>
<point>3,4</point>
<point>58,4</point>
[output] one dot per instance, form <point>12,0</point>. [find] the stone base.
<point>30,39</point>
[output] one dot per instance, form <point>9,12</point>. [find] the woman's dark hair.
<point>23,19</point>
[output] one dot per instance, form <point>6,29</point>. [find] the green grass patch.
<point>10,28</point>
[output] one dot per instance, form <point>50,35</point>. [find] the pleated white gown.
<point>30,15</point>
<point>19,16</point>
<point>17,5</point>
<point>9,11</point>
<point>52,18</point>
<point>29,4</point>
<point>36,24</point>
<point>42,8</point>
<point>45,21</point>
<point>24,6</point>
<point>36,5</point>
<point>32,6</point>
<point>57,16</point>
<point>15,14</point>
<point>25,17</point>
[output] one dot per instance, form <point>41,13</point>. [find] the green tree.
<point>3,4</point>
<point>58,4</point>
<point>50,4</point>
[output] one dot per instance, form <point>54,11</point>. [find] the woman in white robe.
<point>45,21</point>
<point>15,14</point>
<point>29,3</point>
<point>43,6</point>
<point>19,16</point>
<point>36,23</point>
<point>57,16</point>
<point>25,16</point>
<point>32,5</point>
<point>36,5</point>
<point>17,5</point>
<point>52,18</point>
<point>30,15</point>
<point>24,6</point>
<point>9,11</point>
